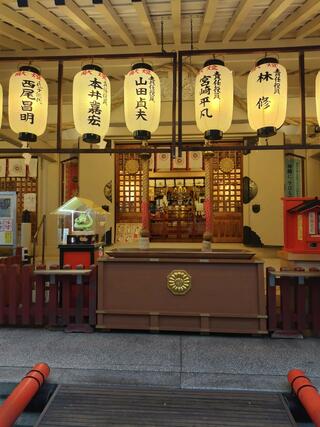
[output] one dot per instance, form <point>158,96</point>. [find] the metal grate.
<point>97,406</point>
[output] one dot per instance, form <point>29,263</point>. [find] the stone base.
<point>206,246</point>
<point>144,243</point>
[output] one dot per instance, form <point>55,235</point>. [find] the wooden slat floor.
<point>99,406</point>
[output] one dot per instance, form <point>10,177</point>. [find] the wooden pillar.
<point>208,208</point>
<point>145,214</point>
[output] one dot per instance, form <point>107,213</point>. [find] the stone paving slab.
<point>171,360</point>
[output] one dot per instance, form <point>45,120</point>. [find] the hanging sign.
<point>91,103</point>
<point>267,97</point>
<point>214,99</point>
<point>142,101</point>
<point>28,103</point>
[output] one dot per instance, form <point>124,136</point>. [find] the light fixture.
<point>91,100</point>
<point>214,99</point>
<point>267,96</point>
<point>28,103</point>
<point>142,101</point>
<point>318,99</point>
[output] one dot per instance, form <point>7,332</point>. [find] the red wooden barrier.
<point>299,310</point>
<point>23,297</point>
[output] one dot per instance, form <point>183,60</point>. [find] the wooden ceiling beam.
<point>176,21</point>
<point>47,18</point>
<point>144,18</point>
<point>311,7</point>
<point>11,32</point>
<point>208,19</point>
<point>76,14</point>
<point>14,18</point>
<point>105,8</point>
<point>10,44</point>
<point>237,19</point>
<point>270,14</point>
<point>306,30</point>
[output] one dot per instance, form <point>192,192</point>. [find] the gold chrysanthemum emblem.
<point>179,282</point>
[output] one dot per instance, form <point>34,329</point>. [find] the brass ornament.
<point>226,165</point>
<point>179,282</point>
<point>132,166</point>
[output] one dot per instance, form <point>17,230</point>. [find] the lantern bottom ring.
<point>27,136</point>
<point>142,134</point>
<point>213,134</point>
<point>266,132</point>
<point>91,138</point>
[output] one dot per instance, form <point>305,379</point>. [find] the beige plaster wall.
<point>95,170</point>
<point>48,200</point>
<point>266,169</point>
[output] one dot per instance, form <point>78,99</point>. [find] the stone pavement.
<point>170,360</point>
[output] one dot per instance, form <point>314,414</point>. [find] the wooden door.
<point>227,196</point>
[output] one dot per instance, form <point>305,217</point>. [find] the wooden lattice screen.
<point>21,185</point>
<point>128,188</point>
<point>227,185</point>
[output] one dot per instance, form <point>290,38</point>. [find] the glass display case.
<point>80,221</point>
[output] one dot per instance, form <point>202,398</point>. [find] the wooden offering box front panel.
<point>181,294</point>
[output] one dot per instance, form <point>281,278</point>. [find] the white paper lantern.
<point>214,99</point>
<point>91,103</point>
<point>1,104</point>
<point>267,97</point>
<point>28,103</point>
<point>142,101</point>
<point>318,96</point>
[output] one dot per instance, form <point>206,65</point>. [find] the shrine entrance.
<point>177,192</point>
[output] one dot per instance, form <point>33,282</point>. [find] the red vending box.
<point>301,217</point>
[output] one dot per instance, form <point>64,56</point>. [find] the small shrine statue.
<point>83,222</point>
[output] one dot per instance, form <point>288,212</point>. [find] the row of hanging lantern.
<point>266,100</point>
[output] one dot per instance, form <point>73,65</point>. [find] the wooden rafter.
<point>43,15</point>
<point>10,44</point>
<point>238,17</point>
<point>16,19</point>
<point>76,14</point>
<point>306,30</point>
<point>208,19</point>
<point>311,7</point>
<point>11,32</point>
<point>176,21</point>
<point>105,8</point>
<point>270,14</point>
<point>144,18</point>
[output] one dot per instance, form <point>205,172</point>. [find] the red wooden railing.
<point>298,311</point>
<point>51,297</point>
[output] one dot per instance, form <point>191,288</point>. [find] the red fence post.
<point>66,291</point>
<point>40,295</point>
<point>301,296</point>
<point>3,270</point>
<point>26,292</point>
<point>271,300</point>
<point>93,295</point>
<point>314,283</point>
<point>13,274</point>
<point>53,297</point>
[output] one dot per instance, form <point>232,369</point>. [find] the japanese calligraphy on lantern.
<point>28,102</point>
<point>142,100</point>
<point>267,95</point>
<point>91,102</point>
<point>214,98</point>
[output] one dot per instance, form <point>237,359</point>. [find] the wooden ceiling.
<point>88,27</point>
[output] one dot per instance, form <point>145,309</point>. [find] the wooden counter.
<point>181,290</point>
